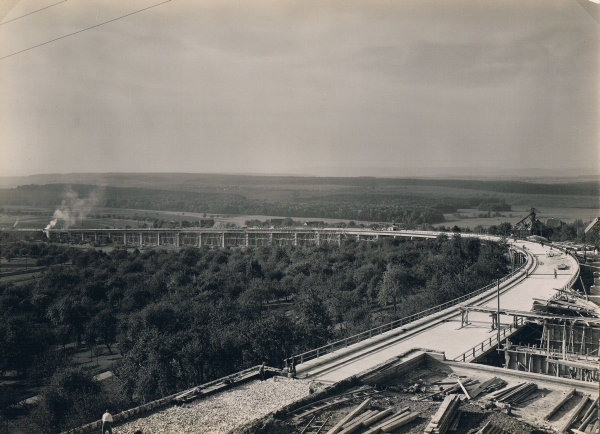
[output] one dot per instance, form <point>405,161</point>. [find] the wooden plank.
<point>371,420</point>
<point>463,389</point>
<point>573,416</point>
<point>477,391</point>
<point>503,391</point>
<point>401,422</point>
<point>383,423</point>
<point>355,423</point>
<point>338,427</point>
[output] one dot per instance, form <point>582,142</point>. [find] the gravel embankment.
<point>222,412</point>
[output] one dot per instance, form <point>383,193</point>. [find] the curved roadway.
<point>443,332</point>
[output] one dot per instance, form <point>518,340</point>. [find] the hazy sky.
<point>298,86</point>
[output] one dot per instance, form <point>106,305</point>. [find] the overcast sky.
<point>302,87</point>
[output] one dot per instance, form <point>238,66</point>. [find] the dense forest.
<point>181,318</point>
<point>404,209</point>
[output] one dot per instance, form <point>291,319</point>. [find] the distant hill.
<point>192,182</point>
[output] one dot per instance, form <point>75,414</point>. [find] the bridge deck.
<point>445,333</point>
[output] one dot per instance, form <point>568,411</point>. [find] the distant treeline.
<point>408,210</point>
<point>202,182</point>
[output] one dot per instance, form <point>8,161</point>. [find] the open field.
<point>568,215</point>
<point>128,217</point>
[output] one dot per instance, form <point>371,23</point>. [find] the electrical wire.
<point>30,13</point>
<point>83,30</point>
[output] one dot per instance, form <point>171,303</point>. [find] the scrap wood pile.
<point>445,416</point>
<point>514,394</point>
<point>374,420</point>
<point>453,385</point>
<point>470,388</point>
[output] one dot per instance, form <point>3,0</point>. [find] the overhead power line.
<point>30,13</point>
<point>83,30</point>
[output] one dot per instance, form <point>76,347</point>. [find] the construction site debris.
<point>482,387</point>
<point>513,395</point>
<point>566,303</point>
<point>444,416</point>
<point>222,412</point>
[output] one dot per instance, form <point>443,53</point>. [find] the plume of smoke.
<point>72,209</point>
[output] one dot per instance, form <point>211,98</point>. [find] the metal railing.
<point>343,343</point>
<point>479,349</point>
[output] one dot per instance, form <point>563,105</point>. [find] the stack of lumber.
<point>442,419</point>
<point>490,428</point>
<point>513,395</point>
<point>497,384</point>
<point>392,421</point>
<point>357,411</point>
<point>379,421</point>
<point>455,385</point>
<point>483,387</point>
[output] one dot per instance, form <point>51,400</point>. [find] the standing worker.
<point>107,422</point>
<point>261,371</point>
<point>555,273</point>
<point>293,366</point>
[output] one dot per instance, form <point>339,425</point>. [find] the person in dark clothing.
<point>261,371</point>
<point>107,422</point>
<point>293,366</point>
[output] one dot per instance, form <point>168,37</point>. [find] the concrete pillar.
<point>318,238</point>
<point>246,239</point>
<point>124,238</point>
<point>199,239</point>
<point>271,239</point>
<point>223,239</point>
<point>177,239</point>
<point>158,238</point>
<point>295,238</point>
<point>141,239</point>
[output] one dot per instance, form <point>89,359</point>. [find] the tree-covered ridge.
<point>193,182</point>
<point>185,317</point>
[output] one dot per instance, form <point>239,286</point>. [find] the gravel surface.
<point>222,412</point>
